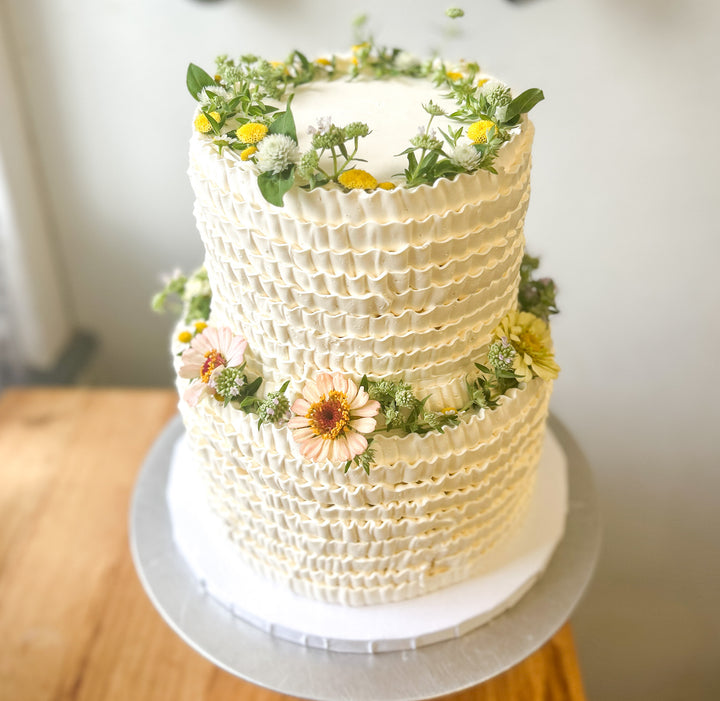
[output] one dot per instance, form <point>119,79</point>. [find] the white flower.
<point>196,287</point>
<point>323,125</point>
<point>496,93</point>
<point>465,155</point>
<point>217,91</point>
<point>276,152</point>
<point>405,61</point>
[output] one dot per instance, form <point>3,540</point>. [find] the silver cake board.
<point>246,650</point>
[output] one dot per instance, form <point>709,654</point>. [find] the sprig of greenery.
<point>339,144</point>
<point>191,295</point>
<point>536,296</point>
<point>485,389</point>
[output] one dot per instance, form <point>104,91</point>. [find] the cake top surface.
<point>375,118</point>
<point>392,109</point>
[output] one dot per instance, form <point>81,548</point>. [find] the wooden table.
<point>74,620</point>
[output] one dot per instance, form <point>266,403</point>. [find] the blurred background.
<point>95,204</point>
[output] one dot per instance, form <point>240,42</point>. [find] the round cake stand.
<point>312,673</point>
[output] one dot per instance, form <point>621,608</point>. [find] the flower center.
<point>329,416</point>
<point>531,344</point>
<point>213,359</point>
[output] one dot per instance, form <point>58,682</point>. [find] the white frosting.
<point>409,284</point>
<point>392,109</point>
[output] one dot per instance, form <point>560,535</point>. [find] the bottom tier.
<point>425,517</point>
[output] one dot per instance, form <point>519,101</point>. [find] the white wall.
<point>624,190</point>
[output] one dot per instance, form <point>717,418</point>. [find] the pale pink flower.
<point>331,417</point>
<point>209,354</point>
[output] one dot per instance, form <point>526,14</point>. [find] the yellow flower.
<point>322,61</point>
<point>354,61</point>
<point>482,82</point>
<point>454,75</point>
<point>530,337</point>
<point>200,326</point>
<point>202,123</point>
<point>252,132</point>
<point>247,152</point>
<point>185,337</point>
<point>478,131</point>
<point>359,47</point>
<point>387,185</point>
<point>356,179</point>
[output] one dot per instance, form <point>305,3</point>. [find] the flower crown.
<point>236,112</point>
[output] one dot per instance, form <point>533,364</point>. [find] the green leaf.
<point>284,123</point>
<point>273,186</point>
<point>253,386</point>
<point>523,103</point>
<point>482,368</point>
<point>197,79</point>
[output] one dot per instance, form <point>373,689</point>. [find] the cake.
<point>364,361</point>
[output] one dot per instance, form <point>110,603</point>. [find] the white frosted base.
<point>511,569</point>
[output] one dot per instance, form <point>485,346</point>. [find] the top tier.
<point>398,267</point>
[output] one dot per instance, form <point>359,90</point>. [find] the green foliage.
<point>339,144</point>
<point>197,79</point>
<point>273,186</point>
<point>188,295</point>
<point>485,389</point>
<point>402,411</point>
<point>536,296</point>
<point>284,123</point>
<point>523,103</point>
<point>175,286</point>
<point>365,460</point>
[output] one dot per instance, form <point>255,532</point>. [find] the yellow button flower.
<point>387,185</point>
<point>247,152</point>
<point>202,123</point>
<point>185,337</point>
<point>357,179</point>
<point>477,132</point>
<point>252,132</point>
<point>454,75</point>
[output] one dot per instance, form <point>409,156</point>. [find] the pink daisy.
<point>210,352</point>
<point>331,417</point>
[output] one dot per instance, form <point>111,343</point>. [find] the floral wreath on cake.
<point>335,418</point>
<point>237,111</point>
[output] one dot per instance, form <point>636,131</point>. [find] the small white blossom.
<point>219,92</point>
<point>196,287</point>
<point>405,61</point>
<point>276,152</point>
<point>496,93</point>
<point>465,155</point>
<point>174,275</point>
<point>323,124</point>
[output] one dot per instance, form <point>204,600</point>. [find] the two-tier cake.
<point>364,363</point>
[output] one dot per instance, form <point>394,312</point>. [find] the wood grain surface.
<point>74,620</point>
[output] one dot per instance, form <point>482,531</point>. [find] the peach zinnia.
<point>209,354</point>
<point>331,417</point>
